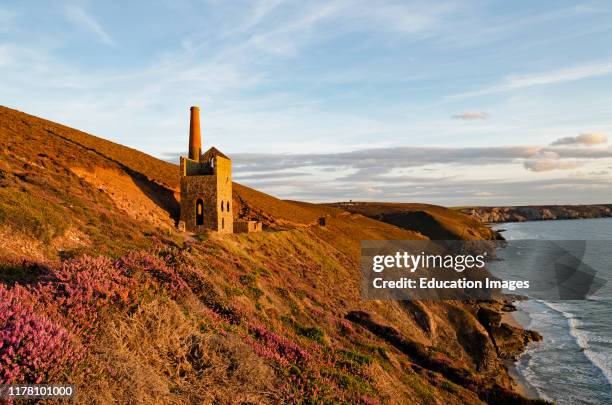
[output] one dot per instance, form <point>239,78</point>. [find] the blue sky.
<point>449,102</point>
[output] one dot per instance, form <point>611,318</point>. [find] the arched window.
<point>222,223</point>
<point>227,206</point>
<point>221,205</point>
<point>199,212</point>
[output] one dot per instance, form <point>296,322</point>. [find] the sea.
<point>573,363</point>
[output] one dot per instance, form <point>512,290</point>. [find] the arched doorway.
<point>199,212</point>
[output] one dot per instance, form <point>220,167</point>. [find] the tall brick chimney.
<point>195,141</point>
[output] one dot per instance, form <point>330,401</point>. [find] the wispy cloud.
<point>556,76</point>
<point>582,139</point>
<point>315,21</point>
<point>471,115</point>
<point>80,17</point>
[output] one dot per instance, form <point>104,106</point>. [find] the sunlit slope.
<point>64,192</point>
<point>433,221</point>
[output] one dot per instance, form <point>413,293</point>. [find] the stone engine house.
<point>206,186</point>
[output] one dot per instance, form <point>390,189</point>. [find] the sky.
<point>446,102</point>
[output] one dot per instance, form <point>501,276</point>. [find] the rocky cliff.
<point>538,213</point>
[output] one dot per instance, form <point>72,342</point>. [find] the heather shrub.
<point>276,347</point>
<point>33,347</point>
<point>80,288</point>
<point>314,373</point>
<point>44,326</point>
<point>149,265</point>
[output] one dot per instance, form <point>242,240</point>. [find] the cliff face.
<point>538,213</point>
<point>158,317</point>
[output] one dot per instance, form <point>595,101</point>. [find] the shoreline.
<point>520,384</point>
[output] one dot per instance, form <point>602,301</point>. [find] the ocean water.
<point>573,363</point>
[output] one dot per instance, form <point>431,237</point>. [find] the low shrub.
<point>45,325</point>
<point>33,346</point>
<point>276,347</point>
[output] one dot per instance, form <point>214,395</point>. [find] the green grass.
<point>31,215</point>
<point>450,386</point>
<point>359,358</point>
<point>348,382</point>
<point>248,279</point>
<point>421,388</point>
<point>310,332</point>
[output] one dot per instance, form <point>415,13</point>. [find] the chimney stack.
<point>195,142</point>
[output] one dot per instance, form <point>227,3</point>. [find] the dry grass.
<point>160,354</point>
<point>43,198</point>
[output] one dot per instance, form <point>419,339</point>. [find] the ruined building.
<point>206,185</point>
<point>206,188</point>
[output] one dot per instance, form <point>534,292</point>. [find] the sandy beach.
<point>520,384</point>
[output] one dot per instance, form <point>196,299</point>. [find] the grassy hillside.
<point>433,221</point>
<point>64,192</point>
<point>51,203</point>
<point>98,289</point>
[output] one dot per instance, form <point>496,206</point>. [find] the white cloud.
<point>544,161</point>
<point>582,139</point>
<point>81,18</point>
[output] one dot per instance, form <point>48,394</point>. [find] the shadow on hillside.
<point>22,272</point>
<point>162,197</point>
<point>419,221</point>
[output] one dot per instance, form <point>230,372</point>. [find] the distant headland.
<point>538,212</point>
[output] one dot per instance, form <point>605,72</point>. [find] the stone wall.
<point>247,226</point>
<point>223,174</point>
<point>192,189</point>
<point>189,167</point>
